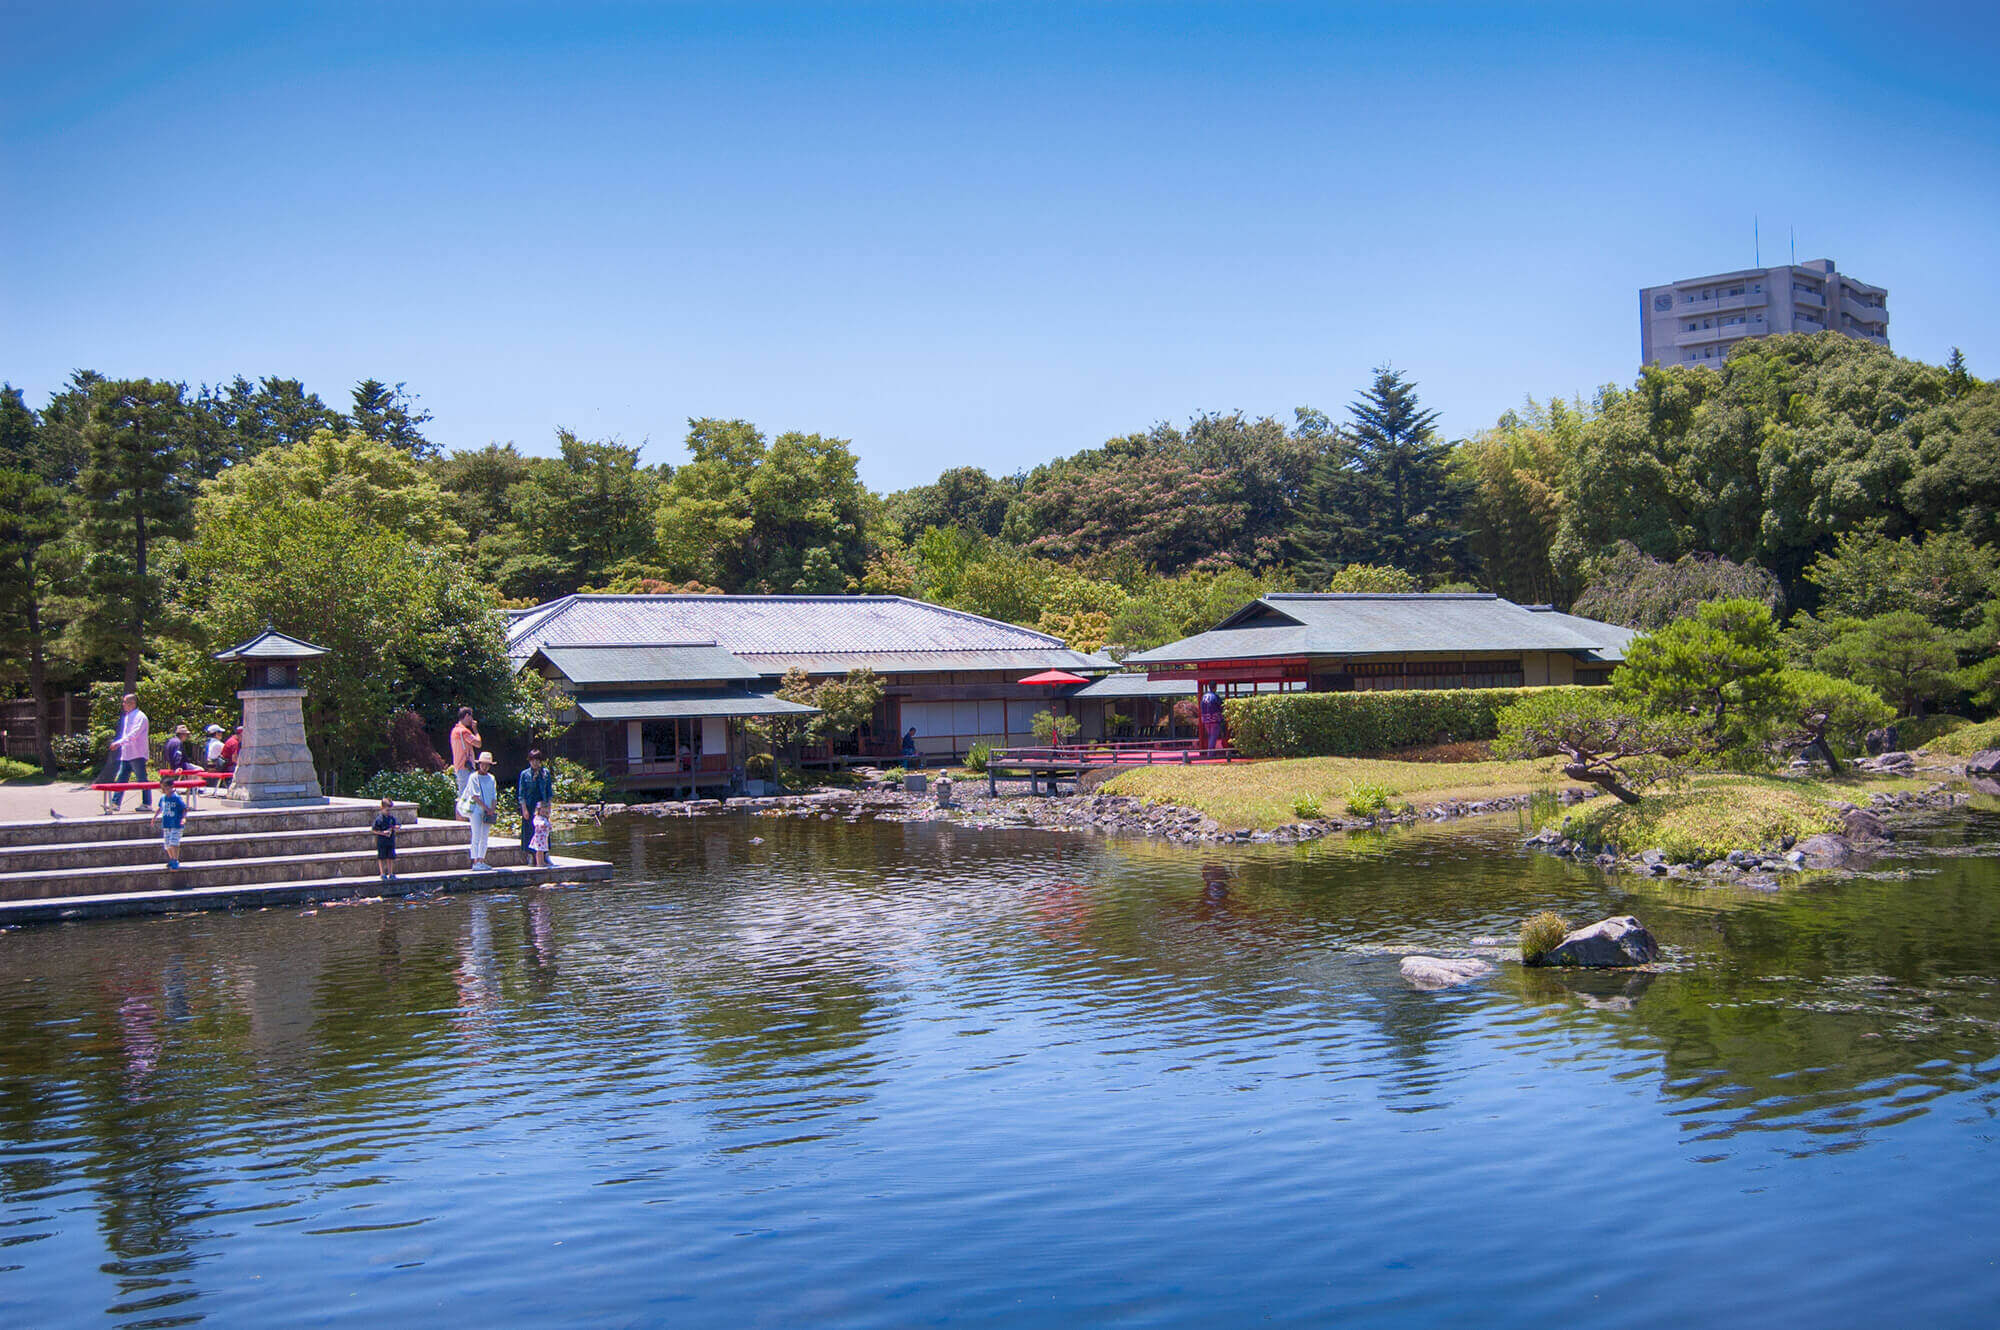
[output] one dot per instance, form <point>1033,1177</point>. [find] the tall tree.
<point>136,489</point>
<point>391,415</point>
<point>1413,522</point>
<point>571,519</point>
<point>31,519</point>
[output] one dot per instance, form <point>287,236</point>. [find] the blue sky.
<point>960,233</point>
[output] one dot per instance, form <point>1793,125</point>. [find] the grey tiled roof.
<point>689,662</point>
<point>271,645</point>
<point>678,706</point>
<point>1614,638</point>
<point>1291,624</point>
<point>1138,685</point>
<point>771,632</point>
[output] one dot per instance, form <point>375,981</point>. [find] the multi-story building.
<point>1697,321</point>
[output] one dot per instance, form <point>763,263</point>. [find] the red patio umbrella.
<point>1055,677</point>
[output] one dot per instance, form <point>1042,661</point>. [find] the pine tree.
<point>31,519</point>
<point>1412,517</point>
<point>137,489</point>
<point>390,415</point>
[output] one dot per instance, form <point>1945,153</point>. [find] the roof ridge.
<point>1381,595</point>
<point>627,646</point>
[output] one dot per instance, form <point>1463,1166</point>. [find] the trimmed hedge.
<point>1343,724</point>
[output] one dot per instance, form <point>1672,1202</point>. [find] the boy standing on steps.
<point>384,826</point>
<point>172,816</point>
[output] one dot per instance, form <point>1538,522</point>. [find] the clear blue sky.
<point>987,233</point>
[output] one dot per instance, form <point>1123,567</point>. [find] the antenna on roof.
<point>1756,244</point>
<point>1795,245</point>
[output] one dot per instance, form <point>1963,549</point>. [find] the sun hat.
<point>212,728</point>
<point>484,757</point>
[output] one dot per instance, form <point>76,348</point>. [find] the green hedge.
<point>1342,724</point>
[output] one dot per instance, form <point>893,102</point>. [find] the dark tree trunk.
<point>1604,780</point>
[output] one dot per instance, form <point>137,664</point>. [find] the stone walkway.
<point>33,801</point>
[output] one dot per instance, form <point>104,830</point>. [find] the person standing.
<point>172,816</point>
<point>384,826</point>
<point>1211,718</point>
<point>536,789</point>
<point>131,745</point>
<point>538,842</point>
<point>478,805</point>
<point>465,742</point>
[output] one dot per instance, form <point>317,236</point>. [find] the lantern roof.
<point>271,646</point>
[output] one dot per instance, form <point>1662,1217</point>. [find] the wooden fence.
<point>69,713</point>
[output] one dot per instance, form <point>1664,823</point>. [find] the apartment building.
<point>1697,321</point>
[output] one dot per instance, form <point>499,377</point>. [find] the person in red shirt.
<point>230,748</point>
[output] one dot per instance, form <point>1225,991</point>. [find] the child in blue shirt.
<point>172,816</point>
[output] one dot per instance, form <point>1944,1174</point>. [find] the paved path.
<point>33,801</point>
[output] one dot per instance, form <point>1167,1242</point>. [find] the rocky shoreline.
<point>1865,834</point>
<point>1103,814</point>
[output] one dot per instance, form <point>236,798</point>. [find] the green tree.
<point>136,489</point>
<point>1901,654</point>
<point>1944,576</point>
<point>962,496</point>
<point>1604,740</point>
<point>1414,519</point>
<point>377,482</point>
<point>1372,577</point>
<point>392,416</point>
<point>1722,666</point>
<point>788,516</point>
<point>1634,589</point>
<point>573,519</point>
<point>31,520</point>
<point>1829,710</point>
<point>1513,477</point>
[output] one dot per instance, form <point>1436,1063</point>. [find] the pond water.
<point>786,1073</point>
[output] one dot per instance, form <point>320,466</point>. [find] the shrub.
<point>1367,800</point>
<point>759,766</point>
<point>1307,808</point>
<point>1925,731</point>
<point>433,792</point>
<point>11,769</point>
<point>1542,935</point>
<point>976,756</point>
<point>894,775</point>
<point>74,752</point>
<point>576,783</point>
<point>1051,728</point>
<point>1968,739</point>
<point>1346,724</point>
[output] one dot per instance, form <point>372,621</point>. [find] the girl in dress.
<point>539,842</point>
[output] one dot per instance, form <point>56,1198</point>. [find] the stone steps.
<point>284,867</point>
<point>201,844</point>
<point>211,818</point>
<point>257,896</point>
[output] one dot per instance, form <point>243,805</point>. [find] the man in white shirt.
<point>131,746</point>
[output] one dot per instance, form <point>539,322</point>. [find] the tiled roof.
<point>271,645</point>
<point>677,706</point>
<point>1356,624</point>
<point>769,632</point>
<point>667,663</point>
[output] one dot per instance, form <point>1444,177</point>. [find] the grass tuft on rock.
<point>1542,935</point>
<point>1705,822</point>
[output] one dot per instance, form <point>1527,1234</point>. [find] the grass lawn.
<point>1716,814</point>
<point>1260,795</point>
<point>1965,740</point>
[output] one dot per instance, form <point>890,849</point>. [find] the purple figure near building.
<point>1213,730</point>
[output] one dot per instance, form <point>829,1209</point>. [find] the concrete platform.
<point>257,896</point>
<point>235,858</point>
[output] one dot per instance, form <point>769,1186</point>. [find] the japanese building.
<point>663,684</point>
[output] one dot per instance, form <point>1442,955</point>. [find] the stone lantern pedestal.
<point>274,768</point>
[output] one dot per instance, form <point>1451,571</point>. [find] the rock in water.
<point>1428,972</point>
<point>1824,851</point>
<point>1606,943</point>
<point>1983,769</point>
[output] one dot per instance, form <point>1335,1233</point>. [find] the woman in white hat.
<point>478,803</point>
<point>212,754</point>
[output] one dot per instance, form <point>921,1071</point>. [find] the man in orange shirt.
<point>465,744</point>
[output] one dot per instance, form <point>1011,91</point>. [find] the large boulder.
<point>1824,851</point>
<point>1884,740</point>
<point>1606,943</point>
<point>1983,770</point>
<point>1429,972</point>
<point>1859,824</point>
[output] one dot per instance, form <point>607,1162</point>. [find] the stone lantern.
<point>274,768</point>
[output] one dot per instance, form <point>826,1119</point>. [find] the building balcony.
<point>1748,300</point>
<point>1808,298</point>
<point>1729,333</point>
<point>1866,313</point>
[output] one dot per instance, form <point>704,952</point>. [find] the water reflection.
<point>763,989</point>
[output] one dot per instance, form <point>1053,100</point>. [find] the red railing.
<point>1099,754</point>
